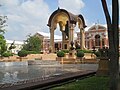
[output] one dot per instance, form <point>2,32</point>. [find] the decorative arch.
<point>67,21</point>
<point>97,40</point>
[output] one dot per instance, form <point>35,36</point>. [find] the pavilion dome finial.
<point>58,8</point>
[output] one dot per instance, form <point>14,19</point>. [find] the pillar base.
<point>103,68</point>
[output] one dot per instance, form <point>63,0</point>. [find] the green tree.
<point>3,47</point>
<point>2,24</point>
<point>113,36</point>
<point>33,43</point>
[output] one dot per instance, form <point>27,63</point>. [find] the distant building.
<point>96,36</point>
<point>18,44</point>
<point>45,38</point>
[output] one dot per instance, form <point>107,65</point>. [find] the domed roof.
<point>72,17</point>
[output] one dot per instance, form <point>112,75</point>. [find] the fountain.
<point>10,77</point>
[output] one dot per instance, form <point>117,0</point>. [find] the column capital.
<point>72,26</point>
<point>82,29</point>
<point>52,28</point>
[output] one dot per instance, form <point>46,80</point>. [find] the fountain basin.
<point>2,64</point>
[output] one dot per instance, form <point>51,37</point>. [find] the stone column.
<point>63,40</point>
<point>71,33</point>
<point>105,41</point>
<point>82,35</point>
<point>101,43</point>
<point>51,40</point>
<point>90,45</point>
<point>94,42</point>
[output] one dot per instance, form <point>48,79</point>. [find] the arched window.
<point>97,40</point>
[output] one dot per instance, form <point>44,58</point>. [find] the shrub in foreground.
<point>33,52</point>
<point>22,53</point>
<point>7,54</point>
<point>97,53</point>
<point>65,51</point>
<point>60,54</point>
<point>80,54</point>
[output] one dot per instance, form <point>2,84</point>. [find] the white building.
<point>18,45</point>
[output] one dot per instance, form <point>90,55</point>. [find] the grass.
<point>91,83</point>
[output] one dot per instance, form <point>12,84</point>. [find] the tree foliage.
<point>33,43</point>
<point>2,24</point>
<point>3,47</point>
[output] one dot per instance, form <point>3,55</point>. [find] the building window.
<point>65,46</point>
<point>56,45</point>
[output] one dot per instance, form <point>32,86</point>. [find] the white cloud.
<point>24,18</point>
<point>73,6</point>
<point>9,2</point>
<point>32,16</point>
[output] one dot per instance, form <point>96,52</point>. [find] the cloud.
<point>25,17</point>
<point>73,6</point>
<point>9,3</point>
<point>30,16</point>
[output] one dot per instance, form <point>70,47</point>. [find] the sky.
<point>29,16</point>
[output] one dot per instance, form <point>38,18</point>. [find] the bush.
<point>22,53</point>
<point>85,51</point>
<point>65,51</point>
<point>33,52</point>
<point>7,54</point>
<point>60,54</point>
<point>80,54</point>
<point>97,53</point>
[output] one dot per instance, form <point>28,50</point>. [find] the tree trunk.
<point>113,36</point>
<point>114,74</point>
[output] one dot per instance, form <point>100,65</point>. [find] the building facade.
<point>95,36</point>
